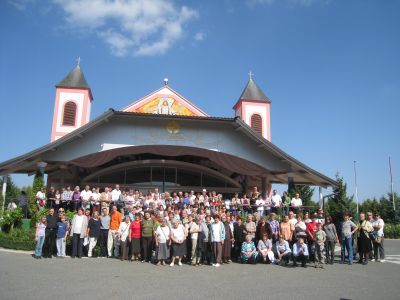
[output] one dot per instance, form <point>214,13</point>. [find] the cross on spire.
<point>251,75</point>
<point>78,61</point>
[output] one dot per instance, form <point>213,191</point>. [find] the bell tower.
<point>254,109</point>
<point>73,103</point>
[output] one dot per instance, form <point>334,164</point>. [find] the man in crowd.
<point>51,231</point>
<point>112,242</point>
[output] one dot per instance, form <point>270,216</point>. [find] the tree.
<point>386,209</point>
<point>340,202</point>
<point>12,191</point>
<point>305,193</point>
<point>38,183</point>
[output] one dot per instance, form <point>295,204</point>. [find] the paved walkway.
<point>23,277</point>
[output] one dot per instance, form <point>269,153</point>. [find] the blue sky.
<point>330,67</point>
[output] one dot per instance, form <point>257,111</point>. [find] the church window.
<point>69,114</point>
<point>256,123</point>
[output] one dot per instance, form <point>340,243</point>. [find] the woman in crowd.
<point>286,229</point>
<point>93,231</point>
<point>134,237</point>
<point>76,198</point>
<point>262,228</point>
<point>378,225</point>
<point>162,238</point>
<point>250,227</point>
<point>331,240</point>
<point>40,235</point>
<point>348,228</point>
<point>248,252</point>
<point>78,233</point>
<point>264,247</point>
<point>274,224</point>
<point>364,245</point>
<point>283,251</point>
<point>300,228</point>
<point>147,236</point>
<point>178,239</point>
<point>227,246</point>
<point>123,234</point>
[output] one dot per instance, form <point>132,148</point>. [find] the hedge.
<point>18,239</point>
<point>392,231</point>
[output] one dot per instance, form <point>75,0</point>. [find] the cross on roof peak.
<point>78,61</point>
<point>251,75</point>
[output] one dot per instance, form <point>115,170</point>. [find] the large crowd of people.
<point>201,228</point>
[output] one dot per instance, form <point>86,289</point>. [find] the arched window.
<point>69,114</point>
<point>256,123</point>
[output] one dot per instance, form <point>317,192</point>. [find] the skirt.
<point>163,251</point>
<point>135,245</point>
<point>179,249</point>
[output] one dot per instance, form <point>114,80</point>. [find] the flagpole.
<point>355,181</point>
<point>391,183</point>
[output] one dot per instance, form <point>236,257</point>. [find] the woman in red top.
<point>134,236</point>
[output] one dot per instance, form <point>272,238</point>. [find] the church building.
<point>162,140</point>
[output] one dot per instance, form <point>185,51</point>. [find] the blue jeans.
<point>347,243</point>
<point>39,246</point>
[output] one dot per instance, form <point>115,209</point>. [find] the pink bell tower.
<point>73,103</point>
<point>254,109</point>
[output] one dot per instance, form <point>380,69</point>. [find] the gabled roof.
<point>253,92</point>
<point>75,79</point>
<point>165,90</point>
<point>306,175</point>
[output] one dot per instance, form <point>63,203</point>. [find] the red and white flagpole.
<point>391,183</point>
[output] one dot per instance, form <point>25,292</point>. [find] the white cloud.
<point>290,2</point>
<point>21,4</point>
<point>139,27</point>
<point>199,36</point>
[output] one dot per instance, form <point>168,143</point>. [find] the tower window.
<point>256,123</point>
<point>69,114</point>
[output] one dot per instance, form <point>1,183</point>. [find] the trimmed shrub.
<point>392,231</point>
<point>18,239</point>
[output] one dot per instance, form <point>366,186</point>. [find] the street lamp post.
<point>355,182</point>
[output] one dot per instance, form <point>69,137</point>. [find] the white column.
<point>4,192</point>
<point>321,199</point>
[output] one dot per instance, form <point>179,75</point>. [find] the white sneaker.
<point>180,263</point>
<point>373,259</point>
<point>172,264</point>
<point>383,260</point>
<point>213,265</point>
<point>217,265</point>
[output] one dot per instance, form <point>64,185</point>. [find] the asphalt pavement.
<point>23,277</point>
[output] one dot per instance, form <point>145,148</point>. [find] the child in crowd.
<point>320,238</point>
<point>62,233</point>
<point>40,236</point>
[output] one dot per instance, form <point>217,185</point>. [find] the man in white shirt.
<point>296,203</point>
<point>86,196</point>
<point>276,202</point>
<point>217,239</point>
<point>115,194</point>
<point>378,225</point>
